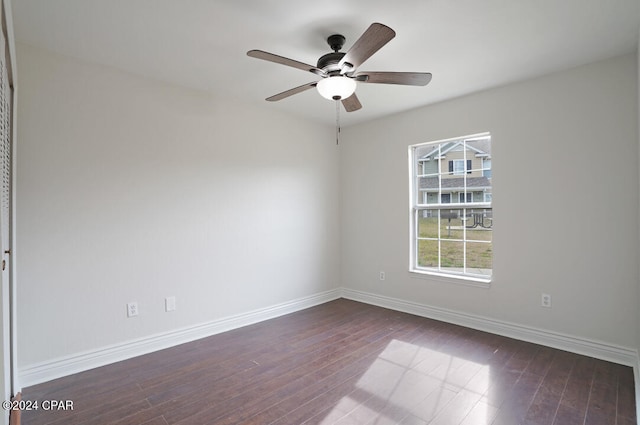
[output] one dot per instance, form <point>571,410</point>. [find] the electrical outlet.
<point>382,275</point>
<point>132,309</point>
<point>169,304</point>
<point>545,301</point>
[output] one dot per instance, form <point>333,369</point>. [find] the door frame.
<point>12,350</point>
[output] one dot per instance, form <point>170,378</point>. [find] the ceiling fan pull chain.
<point>337,122</point>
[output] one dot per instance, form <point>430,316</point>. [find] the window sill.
<point>476,282</point>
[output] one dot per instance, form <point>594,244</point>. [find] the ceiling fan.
<point>339,70</point>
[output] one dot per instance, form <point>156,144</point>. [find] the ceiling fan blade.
<point>352,103</point>
<point>403,78</point>
<point>260,54</point>
<point>291,92</point>
<point>376,36</point>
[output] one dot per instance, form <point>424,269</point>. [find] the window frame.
<point>416,207</point>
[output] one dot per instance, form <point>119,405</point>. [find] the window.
<point>452,237</point>
<point>469,197</point>
<point>486,168</point>
<point>457,166</point>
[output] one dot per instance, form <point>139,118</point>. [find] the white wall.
<point>135,190</point>
<point>565,176</point>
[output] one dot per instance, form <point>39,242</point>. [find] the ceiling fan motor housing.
<point>329,62</point>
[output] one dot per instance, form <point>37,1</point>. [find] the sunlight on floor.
<point>412,384</point>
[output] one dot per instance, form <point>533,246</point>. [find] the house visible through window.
<point>451,210</point>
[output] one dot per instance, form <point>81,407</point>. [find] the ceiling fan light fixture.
<point>336,88</point>
<point>339,69</point>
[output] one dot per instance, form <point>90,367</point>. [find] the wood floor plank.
<point>343,363</point>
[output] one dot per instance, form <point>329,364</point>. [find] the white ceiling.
<point>468,45</point>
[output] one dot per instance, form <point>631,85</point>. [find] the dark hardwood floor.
<point>347,363</point>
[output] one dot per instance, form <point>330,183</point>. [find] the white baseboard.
<point>64,366</point>
<point>596,349</point>
<point>46,371</point>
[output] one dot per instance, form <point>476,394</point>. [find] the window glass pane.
<point>452,256</point>
<point>427,253</point>
<point>451,224</point>
<point>479,258</point>
<point>432,197</point>
<point>427,223</point>
<point>479,222</point>
<point>427,190</point>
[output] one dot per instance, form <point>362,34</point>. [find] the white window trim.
<point>415,207</point>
